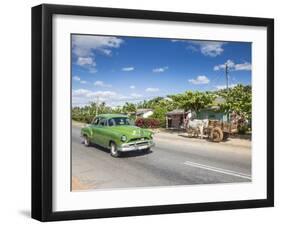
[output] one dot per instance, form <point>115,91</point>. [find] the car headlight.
<point>123,138</point>
<point>151,135</point>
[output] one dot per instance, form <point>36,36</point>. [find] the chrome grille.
<point>138,139</point>
<point>139,143</point>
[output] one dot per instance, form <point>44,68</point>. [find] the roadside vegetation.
<point>237,99</point>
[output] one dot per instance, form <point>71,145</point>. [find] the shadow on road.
<point>128,154</point>
<point>135,153</point>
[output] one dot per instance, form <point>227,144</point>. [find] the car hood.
<point>129,131</point>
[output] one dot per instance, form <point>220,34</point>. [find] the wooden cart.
<point>218,130</point>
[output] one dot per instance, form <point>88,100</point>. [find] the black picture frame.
<point>42,111</point>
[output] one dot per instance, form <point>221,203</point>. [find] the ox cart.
<point>214,129</point>
<point>218,130</point>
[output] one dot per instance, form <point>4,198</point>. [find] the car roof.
<point>107,116</point>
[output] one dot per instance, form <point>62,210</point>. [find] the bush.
<point>243,129</point>
<point>160,114</point>
<point>147,123</point>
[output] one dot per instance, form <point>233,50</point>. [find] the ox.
<point>196,125</point>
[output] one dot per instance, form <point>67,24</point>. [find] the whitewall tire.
<point>86,141</point>
<point>113,150</point>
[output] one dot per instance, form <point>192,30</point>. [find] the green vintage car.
<point>117,133</point>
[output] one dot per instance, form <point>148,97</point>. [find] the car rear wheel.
<point>113,150</point>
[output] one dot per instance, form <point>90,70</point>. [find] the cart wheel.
<point>216,134</point>
<point>225,136</point>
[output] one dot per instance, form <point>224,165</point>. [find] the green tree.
<point>193,100</point>
<point>159,113</point>
<point>129,108</point>
<point>117,110</point>
<point>238,99</point>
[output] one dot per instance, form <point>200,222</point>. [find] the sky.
<point>117,69</point>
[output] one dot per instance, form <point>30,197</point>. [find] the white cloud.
<point>128,68</point>
<point>102,84</point>
<point>76,78</point>
<point>210,48</point>
<point>229,63</point>
<point>81,61</point>
<point>207,48</point>
<point>152,90</point>
<point>82,97</point>
<point>192,48</point>
<point>85,96</point>
<point>83,45</point>
<point>84,48</point>
<point>80,92</point>
<point>87,62</point>
<point>218,67</point>
<point>246,66</point>
<point>106,52</point>
<point>132,87</point>
<point>224,86</point>
<point>200,79</point>
<point>136,95</point>
<point>243,67</point>
<point>179,40</point>
<point>161,69</point>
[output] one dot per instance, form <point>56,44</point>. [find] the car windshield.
<point>120,121</point>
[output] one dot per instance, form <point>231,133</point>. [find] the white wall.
<point>15,112</point>
<point>147,114</point>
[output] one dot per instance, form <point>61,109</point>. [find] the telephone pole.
<point>97,106</point>
<point>226,75</point>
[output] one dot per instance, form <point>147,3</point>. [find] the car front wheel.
<point>113,150</point>
<point>86,141</point>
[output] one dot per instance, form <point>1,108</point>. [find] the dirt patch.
<point>78,185</point>
<point>242,136</point>
<point>180,136</point>
<point>78,124</point>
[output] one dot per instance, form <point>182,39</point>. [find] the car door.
<point>94,127</point>
<point>102,132</point>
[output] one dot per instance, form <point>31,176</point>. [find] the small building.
<point>212,113</point>
<point>144,112</point>
<point>175,119</point>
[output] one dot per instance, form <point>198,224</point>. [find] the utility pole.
<point>97,106</point>
<point>226,75</point>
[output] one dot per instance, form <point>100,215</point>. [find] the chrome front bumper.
<point>134,146</point>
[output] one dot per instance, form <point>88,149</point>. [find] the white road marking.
<point>219,170</point>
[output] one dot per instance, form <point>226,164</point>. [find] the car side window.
<point>96,121</point>
<point>103,122</point>
<point>111,122</point>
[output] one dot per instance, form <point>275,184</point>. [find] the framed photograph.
<point>145,112</point>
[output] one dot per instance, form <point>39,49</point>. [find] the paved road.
<point>177,161</point>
